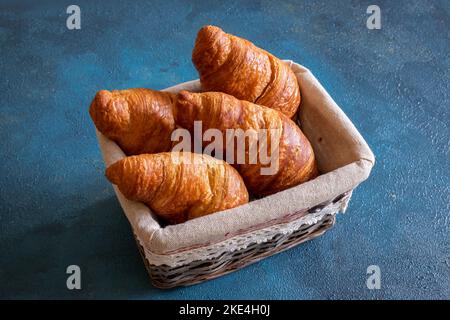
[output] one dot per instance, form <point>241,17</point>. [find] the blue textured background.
<point>58,209</point>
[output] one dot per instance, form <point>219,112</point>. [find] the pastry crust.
<point>179,186</point>
<point>233,65</point>
<point>221,111</point>
<point>138,120</point>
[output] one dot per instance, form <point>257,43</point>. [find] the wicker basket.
<point>214,245</point>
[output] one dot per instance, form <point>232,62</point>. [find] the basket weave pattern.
<point>164,276</point>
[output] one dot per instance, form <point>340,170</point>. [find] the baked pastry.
<point>233,65</point>
<point>179,186</point>
<point>216,110</point>
<point>138,120</point>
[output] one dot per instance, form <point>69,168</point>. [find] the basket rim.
<point>241,241</point>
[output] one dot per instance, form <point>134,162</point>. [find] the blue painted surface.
<point>58,209</point>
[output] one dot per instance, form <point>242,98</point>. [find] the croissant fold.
<point>179,186</point>
<point>233,65</point>
<point>138,120</point>
<point>294,154</point>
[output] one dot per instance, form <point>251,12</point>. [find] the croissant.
<point>179,186</point>
<point>296,161</point>
<point>233,65</point>
<point>138,120</point>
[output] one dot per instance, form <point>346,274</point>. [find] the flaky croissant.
<point>215,110</point>
<point>138,120</point>
<point>179,186</point>
<point>233,65</point>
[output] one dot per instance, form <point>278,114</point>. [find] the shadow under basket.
<point>220,243</point>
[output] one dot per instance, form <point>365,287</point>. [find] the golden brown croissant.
<point>138,120</point>
<point>233,65</point>
<point>296,162</point>
<point>179,186</point>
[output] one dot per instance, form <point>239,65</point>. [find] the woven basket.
<point>217,244</point>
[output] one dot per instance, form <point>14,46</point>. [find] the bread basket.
<point>214,245</point>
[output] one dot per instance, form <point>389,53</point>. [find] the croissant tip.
<point>209,27</point>
<point>113,172</point>
<point>99,103</point>
<point>103,96</point>
<point>208,32</point>
<point>183,95</point>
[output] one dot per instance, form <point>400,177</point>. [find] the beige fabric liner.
<point>341,152</point>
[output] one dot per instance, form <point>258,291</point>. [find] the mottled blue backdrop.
<point>58,209</point>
